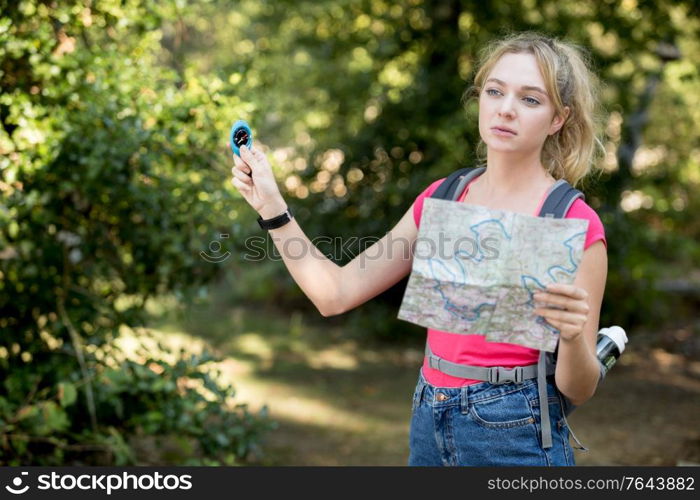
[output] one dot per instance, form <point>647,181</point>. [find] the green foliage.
<point>181,401</point>
<point>110,189</point>
<point>113,116</point>
<point>364,98</point>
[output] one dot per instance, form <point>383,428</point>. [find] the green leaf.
<point>67,394</point>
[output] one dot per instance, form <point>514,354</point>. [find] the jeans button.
<point>440,396</point>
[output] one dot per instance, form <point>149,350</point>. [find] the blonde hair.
<point>571,152</point>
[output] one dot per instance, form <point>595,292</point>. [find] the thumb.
<point>255,158</point>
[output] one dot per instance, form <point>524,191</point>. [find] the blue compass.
<point>240,135</point>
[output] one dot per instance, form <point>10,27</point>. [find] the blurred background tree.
<point>115,173</point>
<point>360,103</point>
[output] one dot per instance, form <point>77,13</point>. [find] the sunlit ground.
<point>336,402</point>
<point>339,402</point>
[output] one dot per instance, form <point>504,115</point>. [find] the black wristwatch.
<point>276,222</point>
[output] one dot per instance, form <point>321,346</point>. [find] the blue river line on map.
<point>473,314</point>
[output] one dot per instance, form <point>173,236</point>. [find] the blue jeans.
<point>486,425</point>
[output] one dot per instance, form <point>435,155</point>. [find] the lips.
<point>503,130</point>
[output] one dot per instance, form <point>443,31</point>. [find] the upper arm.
<point>379,267</point>
<point>591,276</point>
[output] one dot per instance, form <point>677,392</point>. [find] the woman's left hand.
<point>565,307</point>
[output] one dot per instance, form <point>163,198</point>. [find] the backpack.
<point>559,199</point>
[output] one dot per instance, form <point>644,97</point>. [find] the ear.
<point>559,120</point>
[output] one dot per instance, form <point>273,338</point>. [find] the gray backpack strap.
<point>544,401</point>
<point>466,179</point>
<point>454,184</point>
<point>559,199</point>
<point>566,405</point>
<point>546,365</point>
<point>493,374</point>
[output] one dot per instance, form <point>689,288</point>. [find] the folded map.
<point>475,271</point>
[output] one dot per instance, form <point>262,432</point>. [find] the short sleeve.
<point>581,210</point>
<point>418,204</point>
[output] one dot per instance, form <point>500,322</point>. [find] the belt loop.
<point>464,399</point>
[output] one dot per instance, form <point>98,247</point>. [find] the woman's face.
<point>515,111</point>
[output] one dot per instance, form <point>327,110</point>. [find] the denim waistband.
<point>473,393</point>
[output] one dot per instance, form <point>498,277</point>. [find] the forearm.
<point>316,275</point>
<point>577,370</point>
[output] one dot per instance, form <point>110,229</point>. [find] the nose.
<point>507,109</point>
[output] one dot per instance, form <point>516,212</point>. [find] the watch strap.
<point>276,222</point>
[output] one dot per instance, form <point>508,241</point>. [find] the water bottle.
<point>610,345</point>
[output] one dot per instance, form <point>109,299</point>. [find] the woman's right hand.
<point>253,177</point>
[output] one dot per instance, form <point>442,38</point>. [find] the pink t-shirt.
<point>473,349</point>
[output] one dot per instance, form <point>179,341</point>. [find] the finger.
<point>566,330</point>
<point>242,167</point>
<point>241,185</point>
<point>563,328</point>
<point>243,177</point>
<point>241,163</point>
<point>561,301</point>
<point>243,188</point>
<point>561,316</point>
<point>251,155</point>
<point>243,171</point>
<point>569,290</point>
<point>550,324</point>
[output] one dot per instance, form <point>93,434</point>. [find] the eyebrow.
<point>524,87</point>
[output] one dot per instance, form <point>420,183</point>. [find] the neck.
<point>508,174</point>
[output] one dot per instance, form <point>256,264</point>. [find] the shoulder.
<point>582,210</point>
<point>418,203</point>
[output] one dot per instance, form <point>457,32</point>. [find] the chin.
<point>500,147</point>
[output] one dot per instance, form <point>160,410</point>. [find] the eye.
<point>530,100</point>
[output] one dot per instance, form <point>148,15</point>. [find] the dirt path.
<point>646,413</point>
<point>340,402</point>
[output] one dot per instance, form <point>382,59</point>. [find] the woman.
<point>536,101</point>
